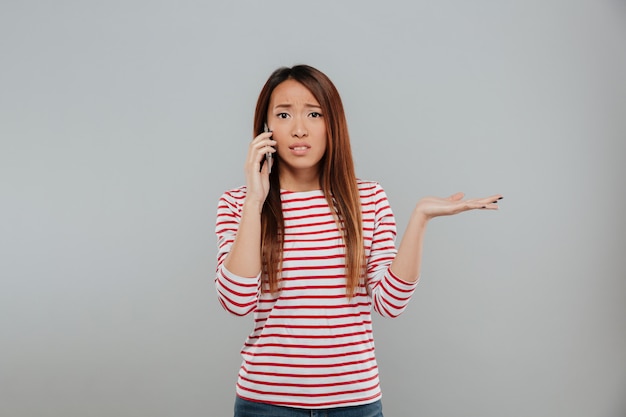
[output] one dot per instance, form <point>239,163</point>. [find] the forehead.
<point>292,92</point>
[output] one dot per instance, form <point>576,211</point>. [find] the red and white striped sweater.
<point>311,346</point>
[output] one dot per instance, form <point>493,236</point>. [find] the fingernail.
<point>500,198</point>
<point>484,207</point>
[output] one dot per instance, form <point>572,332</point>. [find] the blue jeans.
<point>244,408</point>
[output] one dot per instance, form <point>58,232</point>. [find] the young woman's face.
<point>295,117</point>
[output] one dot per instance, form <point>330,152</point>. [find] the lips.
<point>299,148</point>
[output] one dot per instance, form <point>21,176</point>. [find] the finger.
<point>472,204</point>
<point>258,150</point>
<point>485,200</point>
<point>491,203</point>
<point>263,145</point>
<point>260,137</point>
<point>494,199</point>
<point>457,196</point>
<point>262,152</point>
<point>260,142</point>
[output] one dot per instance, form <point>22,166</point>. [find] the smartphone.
<point>268,156</point>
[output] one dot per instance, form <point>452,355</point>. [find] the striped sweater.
<point>311,346</point>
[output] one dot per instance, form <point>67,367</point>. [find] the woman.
<point>309,248</point>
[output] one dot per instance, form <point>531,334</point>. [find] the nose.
<point>299,128</point>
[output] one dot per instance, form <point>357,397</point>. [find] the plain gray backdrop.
<point>122,122</point>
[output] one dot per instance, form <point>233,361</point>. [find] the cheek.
<point>281,130</point>
<point>324,141</point>
<point>282,145</point>
<point>321,133</point>
<point>281,140</point>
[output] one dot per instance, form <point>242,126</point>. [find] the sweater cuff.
<point>402,284</point>
<point>239,280</point>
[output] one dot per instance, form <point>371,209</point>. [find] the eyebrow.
<point>287,106</point>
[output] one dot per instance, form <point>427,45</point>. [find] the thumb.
<point>457,196</point>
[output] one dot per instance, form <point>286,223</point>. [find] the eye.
<point>282,115</point>
<point>315,114</point>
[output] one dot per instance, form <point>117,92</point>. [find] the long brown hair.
<point>337,179</point>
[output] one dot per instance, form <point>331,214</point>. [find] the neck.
<point>307,180</point>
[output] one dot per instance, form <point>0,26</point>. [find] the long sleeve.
<point>311,345</point>
<point>390,294</point>
<point>238,295</point>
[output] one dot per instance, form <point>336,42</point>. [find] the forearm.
<point>244,258</point>
<point>408,261</point>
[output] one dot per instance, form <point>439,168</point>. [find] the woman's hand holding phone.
<point>258,167</point>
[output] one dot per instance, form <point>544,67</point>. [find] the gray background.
<point>121,123</point>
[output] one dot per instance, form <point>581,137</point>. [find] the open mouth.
<point>299,147</point>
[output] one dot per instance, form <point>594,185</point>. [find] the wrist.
<point>419,216</point>
<point>252,206</point>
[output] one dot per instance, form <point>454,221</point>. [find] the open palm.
<point>431,207</point>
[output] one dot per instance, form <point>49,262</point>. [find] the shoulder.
<point>370,190</point>
<point>233,198</point>
<point>374,199</point>
<point>239,192</point>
